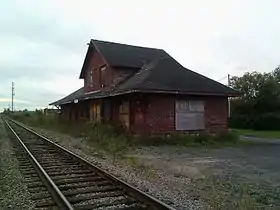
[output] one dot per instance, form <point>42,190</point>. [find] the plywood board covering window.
<point>96,112</point>
<point>124,113</point>
<point>102,75</point>
<point>90,77</point>
<point>190,115</point>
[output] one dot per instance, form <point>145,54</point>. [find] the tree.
<point>259,106</point>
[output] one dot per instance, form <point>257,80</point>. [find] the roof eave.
<point>87,57</point>
<point>182,92</point>
<point>82,76</point>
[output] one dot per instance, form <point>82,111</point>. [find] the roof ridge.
<point>129,45</point>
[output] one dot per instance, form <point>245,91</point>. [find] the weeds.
<point>182,139</point>
<point>220,193</point>
<point>110,139</point>
<point>138,166</point>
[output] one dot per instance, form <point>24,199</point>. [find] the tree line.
<point>259,105</point>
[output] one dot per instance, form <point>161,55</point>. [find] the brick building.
<point>146,90</point>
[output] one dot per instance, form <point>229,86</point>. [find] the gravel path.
<point>13,192</point>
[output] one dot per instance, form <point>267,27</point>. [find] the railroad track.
<point>59,179</point>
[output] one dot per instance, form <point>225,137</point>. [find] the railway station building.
<point>146,90</point>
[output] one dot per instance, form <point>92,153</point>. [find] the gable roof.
<point>122,55</point>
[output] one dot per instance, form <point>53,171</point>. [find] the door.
<point>189,115</point>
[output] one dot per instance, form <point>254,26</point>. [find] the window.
<point>102,75</point>
<point>190,115</point>
<point>103,68</point>
<point>90,77</point>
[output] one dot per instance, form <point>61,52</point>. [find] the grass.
<point>220,193</point>
<point>13,193</point>
<point>138,166</point>
<point>111,140</point>
<point>264,134</point>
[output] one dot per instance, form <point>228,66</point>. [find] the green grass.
<point>265,134</point>
<point>221,193</point>
<point>112,140</point>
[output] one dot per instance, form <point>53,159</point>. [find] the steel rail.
<point>152,202</point>
<point>57,195</point>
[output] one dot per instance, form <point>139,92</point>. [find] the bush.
<point>260,121</point>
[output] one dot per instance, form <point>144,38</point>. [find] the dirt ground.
<point>243,177</point>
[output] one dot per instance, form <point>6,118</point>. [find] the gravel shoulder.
<point>243,177</point>
<point>13,192</point>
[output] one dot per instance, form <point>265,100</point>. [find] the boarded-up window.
<point>102,75</point>
<point>95,112</point>
<point>90,77</point>
<point>190,115</point>
<point>124,113</point>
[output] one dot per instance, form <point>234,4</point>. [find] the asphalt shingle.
<point>155,71</point>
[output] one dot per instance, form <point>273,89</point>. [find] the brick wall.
<point>216,114</point>
<point>96,61</point>
<point>156,113</point>
<point>111,76</point>
<point>152,114</point>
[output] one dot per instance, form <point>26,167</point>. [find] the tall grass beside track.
<point>113,140</point>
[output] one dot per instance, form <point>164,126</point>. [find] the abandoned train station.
<point>146,90</point>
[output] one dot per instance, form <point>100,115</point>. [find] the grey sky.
<point>43,43</point>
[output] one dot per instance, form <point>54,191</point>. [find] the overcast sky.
<point>43,43</point>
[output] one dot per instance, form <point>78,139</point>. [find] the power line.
<point>222,78</point>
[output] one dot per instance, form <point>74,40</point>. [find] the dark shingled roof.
<point>168,75</point>
<point>157,72</point>
<point>70,98</point>
<point>123,55</point>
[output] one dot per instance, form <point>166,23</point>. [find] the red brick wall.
<point>152,114</point>
<point>156,113</point>
<point>112,76</point>
<point>96,61</point>
<point>216,114</point>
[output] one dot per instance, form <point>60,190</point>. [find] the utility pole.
<point>228,80</point>
<point>13,94</point>
<point>229,97</point>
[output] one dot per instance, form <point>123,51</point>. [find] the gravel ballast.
<point>165,187</point>
<point>13,192</point>
<point>241,177</point>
